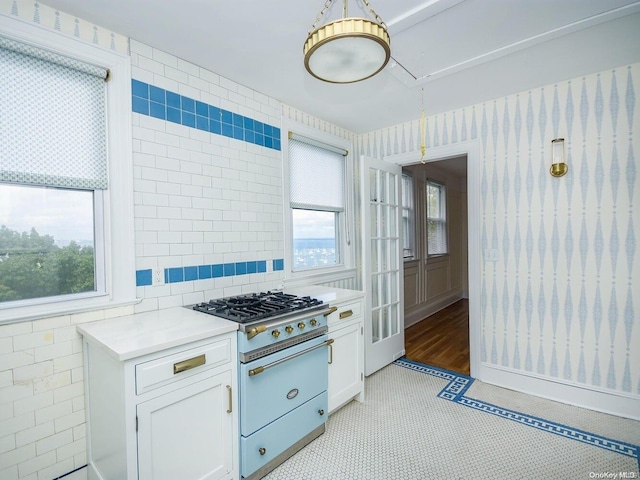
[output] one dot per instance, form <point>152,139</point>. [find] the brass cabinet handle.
<point>321,412</point>
<point>346,314</point>
<point>330,343</point>
<point>255,371</point>
<point>255,331</point>
<point>230,409</point>
<point>262,450</point>
<point>331,310</point>
<point>189,364</point>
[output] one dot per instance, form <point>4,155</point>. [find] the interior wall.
<point>430,284</point>
<point>559,270</point>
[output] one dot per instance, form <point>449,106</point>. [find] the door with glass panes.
<point>382,262</point>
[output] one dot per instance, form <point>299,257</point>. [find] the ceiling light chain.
<point>327,4</point>
<point>374,13</point>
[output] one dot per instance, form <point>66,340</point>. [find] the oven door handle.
<point>257,370</point>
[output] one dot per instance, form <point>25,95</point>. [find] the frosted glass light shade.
<point>347,50</point>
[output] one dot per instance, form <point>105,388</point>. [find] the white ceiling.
<point>461,51</point>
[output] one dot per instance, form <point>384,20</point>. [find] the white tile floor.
<point>404,431</point>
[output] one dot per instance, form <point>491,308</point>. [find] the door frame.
<point>472,150</point>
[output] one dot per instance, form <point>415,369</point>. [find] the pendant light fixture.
<point>349,49</point>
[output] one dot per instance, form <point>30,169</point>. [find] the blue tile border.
<point>204,272</point>
<point>156,102</point>
<point>459,384</point>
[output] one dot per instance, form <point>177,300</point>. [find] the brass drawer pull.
<point>230,409</point>
<point>346,314</point>
<point>331,310</point>
<point>189,364</point>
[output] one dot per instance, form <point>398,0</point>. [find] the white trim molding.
<point>614,403</point>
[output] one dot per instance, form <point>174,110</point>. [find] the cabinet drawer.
<point>345,313</point>
<point>172,368</point>
<point>267,443</point>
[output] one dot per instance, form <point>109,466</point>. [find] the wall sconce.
<point>558,167</point>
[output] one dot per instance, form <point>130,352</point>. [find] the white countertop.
<point>132,336</point>
<point>328,295</point>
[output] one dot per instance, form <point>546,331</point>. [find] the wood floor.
<point>441,340</point>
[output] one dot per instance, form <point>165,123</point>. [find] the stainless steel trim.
<point>286,318</point>
<point>289,452</point>
<point>262,368</point>
<point>247,357</point>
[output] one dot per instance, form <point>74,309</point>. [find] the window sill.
<point>49,310</point>
<point>313,278</point>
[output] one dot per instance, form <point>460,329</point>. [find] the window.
<point>53,162</point>
<point>66,229</point>
<point>408,230</point>
<point>436,219</point>
<point>317,204</point>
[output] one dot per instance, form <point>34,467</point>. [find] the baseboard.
<point>614,403</point>
<point>430,308</point>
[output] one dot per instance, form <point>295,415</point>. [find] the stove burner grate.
<point>256,306</point>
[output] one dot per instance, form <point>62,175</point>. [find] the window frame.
<point>344,229</point>
<point>411,217</point>
<point>116,215</point>
<point>442,219</point>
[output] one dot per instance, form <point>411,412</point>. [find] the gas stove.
<point>258,306</point>
<point>283,351</point>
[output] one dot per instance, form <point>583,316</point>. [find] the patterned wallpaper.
<point>51,18</point>
<point>562,301</point>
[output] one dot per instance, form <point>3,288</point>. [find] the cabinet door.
<point>187,434</point>
<point>346,367</point>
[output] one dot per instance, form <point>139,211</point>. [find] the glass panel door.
<point>383,265</point>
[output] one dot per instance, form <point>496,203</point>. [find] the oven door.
<point>275,384</point>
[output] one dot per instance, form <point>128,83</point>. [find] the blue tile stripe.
<point>166,105</point>
<point>204,272</point>
<point>459,384</point>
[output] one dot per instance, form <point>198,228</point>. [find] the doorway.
<point>436,288</point>
<point>470,149</point>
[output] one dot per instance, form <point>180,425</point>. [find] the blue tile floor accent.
<point>156,102</point>
<point>459,384</point>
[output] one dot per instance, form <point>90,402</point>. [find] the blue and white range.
<point>283,374</point>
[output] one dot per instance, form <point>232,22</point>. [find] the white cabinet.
<point>346,354</point>
<point>184,433</point>
<point>167,414</point>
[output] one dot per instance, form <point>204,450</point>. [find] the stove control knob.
<point>288,329</point>
<point>275,333</point>
<point>301,325</point>
<point>313,322</point>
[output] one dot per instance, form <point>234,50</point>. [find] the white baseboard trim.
<point>426,309</point>
<point>619,404</point>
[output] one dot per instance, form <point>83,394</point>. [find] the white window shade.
<point>316,176</point>
<point>37,88</point>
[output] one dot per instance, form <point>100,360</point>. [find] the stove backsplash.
<point>208,193</point>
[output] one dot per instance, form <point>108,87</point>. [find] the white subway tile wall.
<point>42,412</point>
<point>208,203</point>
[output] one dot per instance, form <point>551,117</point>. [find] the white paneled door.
<point>382,262</point>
